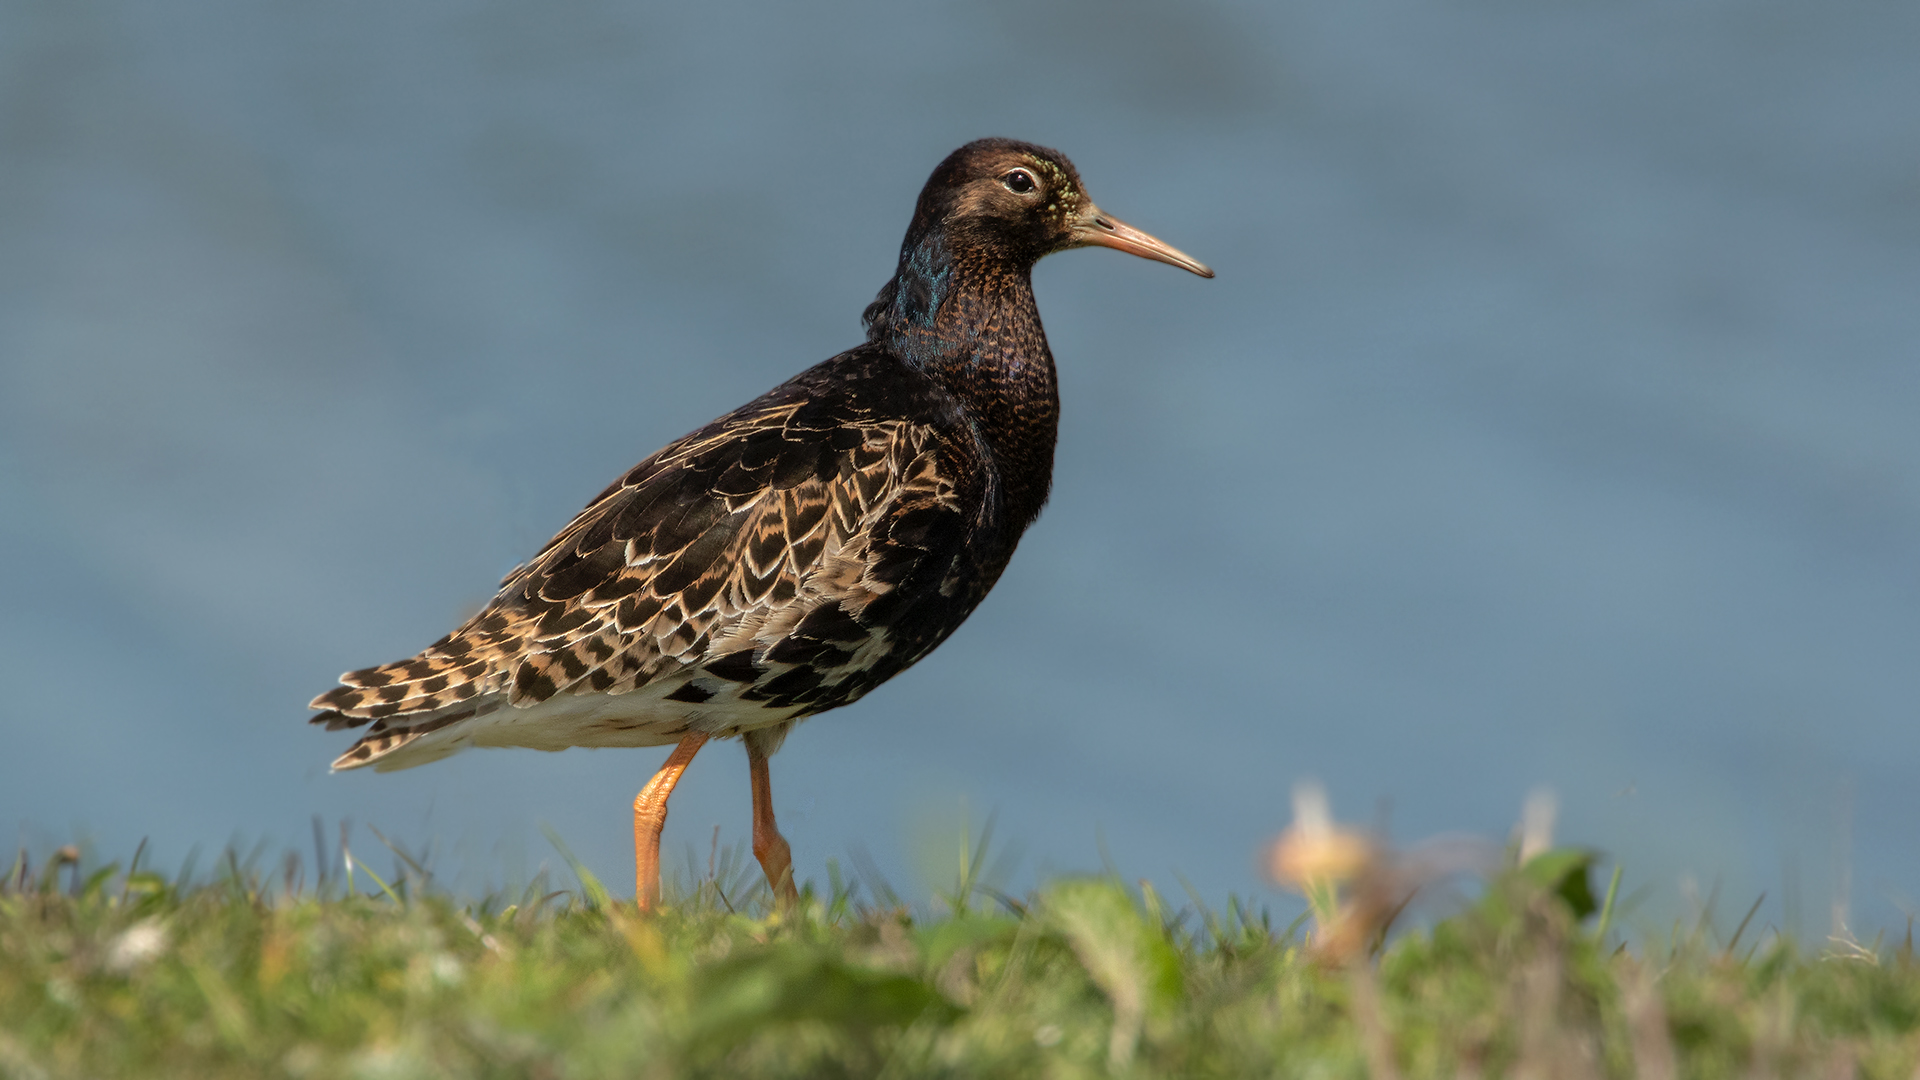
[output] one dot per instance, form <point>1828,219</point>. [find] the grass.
<point>245,973</point>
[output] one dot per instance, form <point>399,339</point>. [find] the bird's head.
<point>1017,202</point>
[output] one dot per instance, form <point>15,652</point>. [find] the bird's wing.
<point>775,539</point>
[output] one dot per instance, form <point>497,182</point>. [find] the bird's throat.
<point>951,314</point>
<point>969,321</point>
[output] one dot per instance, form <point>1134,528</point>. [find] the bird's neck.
<point>969,322</point>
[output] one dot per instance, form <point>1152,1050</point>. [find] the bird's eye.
<point>1019,181</point>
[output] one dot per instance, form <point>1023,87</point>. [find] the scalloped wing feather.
<point>746,575</point>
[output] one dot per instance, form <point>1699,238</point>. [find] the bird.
<point>795,553</point>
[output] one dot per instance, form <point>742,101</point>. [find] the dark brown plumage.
<point>797,552</point>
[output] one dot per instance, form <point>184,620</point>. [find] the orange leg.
<point>776,858</point>
<point>650,816</point>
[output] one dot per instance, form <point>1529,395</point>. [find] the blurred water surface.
<point>1551,421</point>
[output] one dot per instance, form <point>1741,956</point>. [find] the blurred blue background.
<point>1552,420</point>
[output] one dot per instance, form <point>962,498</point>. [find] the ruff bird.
<point>797,552</point>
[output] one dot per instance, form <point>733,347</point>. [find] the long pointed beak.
<point>1096,229</point>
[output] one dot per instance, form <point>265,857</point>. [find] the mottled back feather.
<point>793,554</point>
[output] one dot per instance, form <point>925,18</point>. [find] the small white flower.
<point>136,945</point>
<point>447,970</point>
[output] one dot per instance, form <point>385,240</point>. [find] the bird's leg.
<point>650,816</point>
<point>776,858</point>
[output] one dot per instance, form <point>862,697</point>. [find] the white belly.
<point>642,718</point>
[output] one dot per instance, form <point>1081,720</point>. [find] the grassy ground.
<point>112,973</point>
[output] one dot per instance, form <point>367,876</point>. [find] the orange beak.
<point>1095,229</point>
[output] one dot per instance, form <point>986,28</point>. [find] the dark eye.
<point>1019,181</point>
